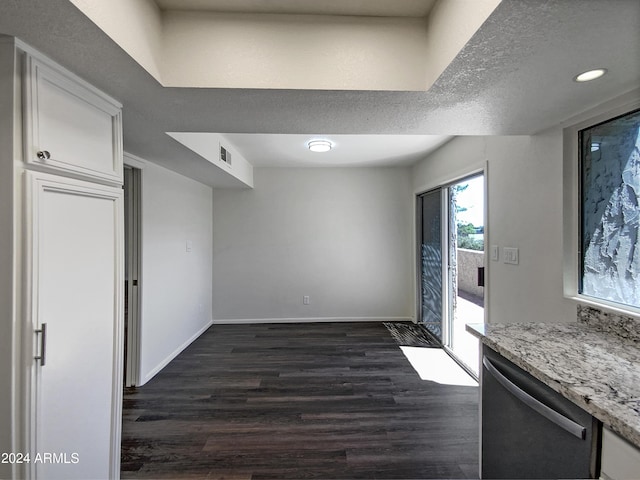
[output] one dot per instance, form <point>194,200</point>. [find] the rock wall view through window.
<point>610,215</point>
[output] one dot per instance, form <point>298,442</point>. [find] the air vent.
<point>225,155</point>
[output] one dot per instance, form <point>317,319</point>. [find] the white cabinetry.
<point>69,277</point>
<point>75,238</point>
<point>69,127</point>
<point>620,459</point>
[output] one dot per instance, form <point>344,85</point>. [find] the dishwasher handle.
<point>560,420</point>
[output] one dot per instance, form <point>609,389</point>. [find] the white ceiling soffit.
<point>365,8</point>
<point>278,150</point>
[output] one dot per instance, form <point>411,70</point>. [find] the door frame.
<point>133,241</point>
<point>135,294</point>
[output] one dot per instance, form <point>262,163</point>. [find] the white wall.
<point>341,236</point>
<point>176,284</point>
<point>293,51</point>
<point>525,211</point>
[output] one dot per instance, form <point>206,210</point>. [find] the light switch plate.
<point>510,255</point>
<point>494,253</point>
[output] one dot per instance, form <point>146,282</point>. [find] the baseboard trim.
<point>231,321</point>
<point>174,354</point>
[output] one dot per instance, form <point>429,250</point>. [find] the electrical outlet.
<point>305,300</point>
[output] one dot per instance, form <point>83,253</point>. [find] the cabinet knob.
<point>44,155</point>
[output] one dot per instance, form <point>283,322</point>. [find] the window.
<point>609,233</point>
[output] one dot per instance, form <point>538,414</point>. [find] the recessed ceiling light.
<point>320,145</point>
<point>590,75</point>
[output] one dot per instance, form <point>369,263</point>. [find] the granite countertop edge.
<point>617,406</point>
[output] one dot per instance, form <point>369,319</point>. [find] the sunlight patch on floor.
<point>435,365</point>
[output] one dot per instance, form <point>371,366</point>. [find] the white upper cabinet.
<point>69,126</point>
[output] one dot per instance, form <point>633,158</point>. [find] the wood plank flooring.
<point>281,401</point>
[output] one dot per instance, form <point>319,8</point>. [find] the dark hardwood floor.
<point>280,401</point>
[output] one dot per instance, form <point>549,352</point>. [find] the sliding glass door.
<point>451,265</point>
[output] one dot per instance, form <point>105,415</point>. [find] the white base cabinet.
<point>620,460</point>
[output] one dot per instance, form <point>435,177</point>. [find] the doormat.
<point>411,335</point>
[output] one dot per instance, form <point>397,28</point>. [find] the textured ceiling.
<point>376,8</point>
<point>513,77</point>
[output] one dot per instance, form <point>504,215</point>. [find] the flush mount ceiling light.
<point>320,146</point>
<point>590,75</point>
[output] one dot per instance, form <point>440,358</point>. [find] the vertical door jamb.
<point>418,259</point>
<point>446,266</point>
<point>132,247</point>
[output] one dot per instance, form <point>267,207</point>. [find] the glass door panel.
<point>430,254</point>
<point>465,282</point>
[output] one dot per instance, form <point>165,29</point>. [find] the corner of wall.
<point>176,265</point>
<point>145,377</point>
<point>9,332</point>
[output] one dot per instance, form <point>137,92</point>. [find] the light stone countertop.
<point>596,369</point>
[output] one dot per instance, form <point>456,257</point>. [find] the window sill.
<point>605,306</point>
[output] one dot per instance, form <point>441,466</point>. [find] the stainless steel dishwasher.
<point>530,431</point>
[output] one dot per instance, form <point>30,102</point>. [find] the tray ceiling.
<point>365,8</point>
<point>514,76</point>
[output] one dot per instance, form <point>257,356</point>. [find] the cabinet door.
<point>70,127</point>
<point>75,263</point>
<point>620,459</point>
